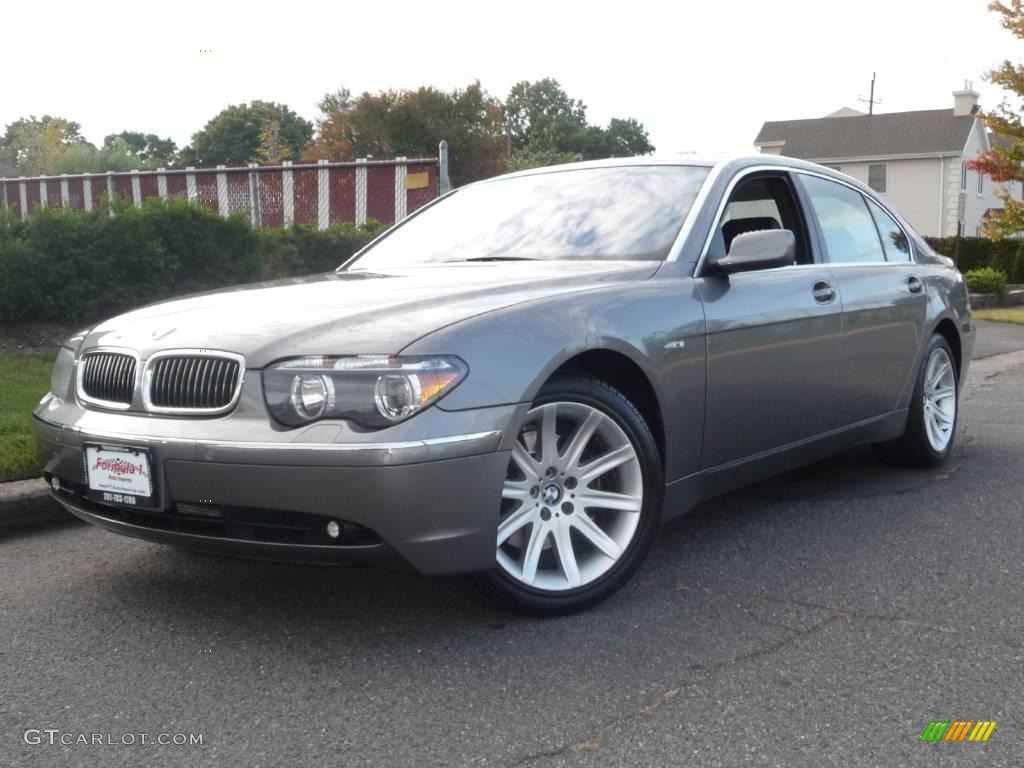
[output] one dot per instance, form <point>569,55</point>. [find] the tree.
<point>410,123</point>
<point>272,149</point>
<point>548,126</point>
<point>333,139</point>
<point>33,145</point>
<point>1005,161</point>
<point>233,135</point>
<point>538,158</point>
<point>116,154</point>
<point>625,138</point>
<point>542,116</point>
<point>144,146</point>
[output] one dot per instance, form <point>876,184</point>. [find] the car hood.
<point>353,312</point>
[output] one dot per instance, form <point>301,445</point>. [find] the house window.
<point>963,177</point>
<point>981,183</point>
<point>876,177</point>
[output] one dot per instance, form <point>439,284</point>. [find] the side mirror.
<point>764,249</point>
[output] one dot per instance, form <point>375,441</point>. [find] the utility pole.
<point>871,100</point>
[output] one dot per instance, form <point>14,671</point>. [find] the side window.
<point>761,202</point>
<point>846,225</point>
<point>894,240</point>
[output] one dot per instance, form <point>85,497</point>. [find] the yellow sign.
<point>417,180</point>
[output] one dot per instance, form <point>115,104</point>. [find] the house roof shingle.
<point>931,131</point>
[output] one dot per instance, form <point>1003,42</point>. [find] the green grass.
<point>24,379</point>
<point>1001,315</point>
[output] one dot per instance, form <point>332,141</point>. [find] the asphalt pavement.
<point>822,618</point>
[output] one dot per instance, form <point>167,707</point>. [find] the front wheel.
<point>581,500</point>
<point>934,410</point>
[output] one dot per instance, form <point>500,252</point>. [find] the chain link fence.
<point>319,194</point>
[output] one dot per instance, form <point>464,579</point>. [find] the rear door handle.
<point>914,284</point>
<point>824,292</point>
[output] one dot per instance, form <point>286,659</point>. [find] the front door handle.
<point>914,284</point>
<point>824,292</point>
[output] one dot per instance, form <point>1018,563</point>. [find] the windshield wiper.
<point>493,258</point>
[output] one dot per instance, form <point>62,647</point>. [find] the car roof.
<point>716,162</point>
<point>618,162</point>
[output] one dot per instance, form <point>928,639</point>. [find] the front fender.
<point>657,324</point>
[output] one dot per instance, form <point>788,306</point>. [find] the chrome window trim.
<point>80,373</point>
<point>741,174</point>
<point>147,380</point>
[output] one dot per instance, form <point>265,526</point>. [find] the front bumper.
<point>431,503</point>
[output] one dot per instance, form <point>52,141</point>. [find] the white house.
<point>916,160</point>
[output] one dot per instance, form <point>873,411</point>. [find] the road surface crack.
<point>844,612</point>
<point>596,739</point>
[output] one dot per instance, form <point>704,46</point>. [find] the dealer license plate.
<point>119,475</point>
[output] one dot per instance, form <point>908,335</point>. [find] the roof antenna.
<point>872,100</point>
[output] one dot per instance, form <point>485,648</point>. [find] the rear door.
<point>773,350</point>
<point>884,297</point>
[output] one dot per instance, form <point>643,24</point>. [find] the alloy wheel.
<point>940,401</point>
<point>572,498</point>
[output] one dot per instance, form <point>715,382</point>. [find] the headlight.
<point>371,390</point>
<point>60,378</point>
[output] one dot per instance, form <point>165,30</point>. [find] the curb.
<point>25,503</point>
<point>994,300</point>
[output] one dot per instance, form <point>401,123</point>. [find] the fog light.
<point>55,484</point>
<point>333,529</point>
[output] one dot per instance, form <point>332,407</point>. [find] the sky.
<point>702,77</point>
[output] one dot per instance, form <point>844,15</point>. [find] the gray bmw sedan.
<point>523,379</point>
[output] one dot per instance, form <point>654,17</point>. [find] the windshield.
<point>628,212</point>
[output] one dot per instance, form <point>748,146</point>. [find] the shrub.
<point>1017,275</point>
<point>77,267</point>
<point>974,253</point>
<point>305,250</point>
<point>11,226</point>
<point>978,252</point>
<point>206,250</point>
<point>1004,254</point>
<point>71,266</point>
<point>22,294</point>
<point>986,280</point>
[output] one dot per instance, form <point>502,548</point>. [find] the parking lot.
<point>821,618</point>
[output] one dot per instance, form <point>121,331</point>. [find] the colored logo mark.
<point>958,730</point>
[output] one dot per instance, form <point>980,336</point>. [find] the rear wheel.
<point>934,409</point>
<point>581,500</point>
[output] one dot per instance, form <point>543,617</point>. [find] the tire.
<point>932,420</point>
<point>559,551</point>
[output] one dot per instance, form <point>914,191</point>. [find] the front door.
<point>773,351</point>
